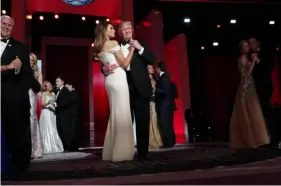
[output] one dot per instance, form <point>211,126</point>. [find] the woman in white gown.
<point>48,126</point>
<point>36,141</point>
<point>119,138</point>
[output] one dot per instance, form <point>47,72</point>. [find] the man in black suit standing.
<point>16,80</point>
<point>139,84</point>
<point>63,113</point>
<point>164,105</point>
<point>263,82</point>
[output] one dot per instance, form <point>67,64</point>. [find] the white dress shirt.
<point>3,46</point>
<point>125,51</point>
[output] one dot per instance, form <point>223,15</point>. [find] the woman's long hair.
<point>100,36</point>
<point>34,59</point>
<point>44,87</point>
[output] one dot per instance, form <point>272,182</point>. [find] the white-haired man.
<point>16,79</point>
<point>139,84</point>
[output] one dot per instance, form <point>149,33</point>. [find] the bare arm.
<point>43,100</point>
<point>122,61</point>
<point>245,66</point>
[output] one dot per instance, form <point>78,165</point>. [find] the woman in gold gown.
<point>247,126</point>
<point>155,140</point>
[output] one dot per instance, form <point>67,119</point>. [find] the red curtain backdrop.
<point>70,59</point>
<point>177,65</point>
<point>151,32</point>
<point>97,8</point>
<point>218,78</point>
<point>276,78</point>
<point>101,104</point>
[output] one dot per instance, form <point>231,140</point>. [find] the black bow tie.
<point>125,42</point>
<point>4,40</point>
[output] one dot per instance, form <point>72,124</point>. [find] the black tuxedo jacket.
<point>262,71</point>
<point>139,71</point>
<point>163,92</point>
<point>18,85</point>
<point>63,100</point>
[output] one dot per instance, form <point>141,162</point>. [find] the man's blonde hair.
<point>122,24</point>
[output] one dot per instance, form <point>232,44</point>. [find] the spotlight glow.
<point>107,20</point>
<point>186,20</point>
<point>215,44</point>
<point>56,16</point>
<point>41,18</point>
<point>83,18</point>
<point>202,47</point>
<point>97,21</point>
<point>29,17</point>
<point>4,12</point>
<point>233,21</point>
<point>271,22</point>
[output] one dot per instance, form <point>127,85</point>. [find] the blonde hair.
<point>34,59</point>
<point>44,87</point>
<point>122,24</point>
<point>240,45</point>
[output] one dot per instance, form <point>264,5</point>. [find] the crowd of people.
<point>136,95</point>
<point>24,136</point>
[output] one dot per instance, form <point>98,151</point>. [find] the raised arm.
<point>166,86</point>
<point>147,54</point>
<point>122,61</point>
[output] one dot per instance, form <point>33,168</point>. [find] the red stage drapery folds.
<point>219,78</point>
<point>177,65</point>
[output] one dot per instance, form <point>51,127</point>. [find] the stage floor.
<point>182,162</point>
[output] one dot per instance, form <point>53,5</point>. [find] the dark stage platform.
<point>183,164</point>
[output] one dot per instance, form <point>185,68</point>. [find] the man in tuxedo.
<point>263,81</point>
<point>16,80</point>
<point>63,113</point>
<point>164,105</point>
<point>139,84</point>
<point>74,113</point>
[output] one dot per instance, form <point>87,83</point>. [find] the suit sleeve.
<point>101,69</point>
<point>147,55</point>
<point>65,100</point>
<point>176,90</point>
<point>166,87</point>
<point>26,72</point>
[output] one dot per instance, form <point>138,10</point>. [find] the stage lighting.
<point>186,20</point>
<point>271,22</point>
<point>83,18</point>
<point>28,16</point>
<point>56,16</point>
<point>202,47</point>
<point>4,12</point>
<point>107,20</point>
<point>41,18</point>
<point>233,21</point>
<point>277,48</point>
<point>218,26</point>
<point>93,44</point>
<point>97,21</point>
<point>215,44</point>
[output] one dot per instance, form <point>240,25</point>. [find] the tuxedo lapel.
<point>7,50</point>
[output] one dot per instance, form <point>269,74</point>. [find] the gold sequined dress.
<point>247,126</point>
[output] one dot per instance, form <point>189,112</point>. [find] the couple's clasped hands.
<point>134,44</point>
<point>15,64</point>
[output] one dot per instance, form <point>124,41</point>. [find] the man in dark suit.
<point>164,105</point>
<point>63,113</point>
<point>139,84</point>
<point>74,113</point>
<point>16,80</point>
<point>263,81</point>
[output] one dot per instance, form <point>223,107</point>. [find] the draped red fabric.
<point>219,80</point>
<point>101,104</point>
<point>276,79</point>
<point>177,66</point>
<point>72,66</point>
